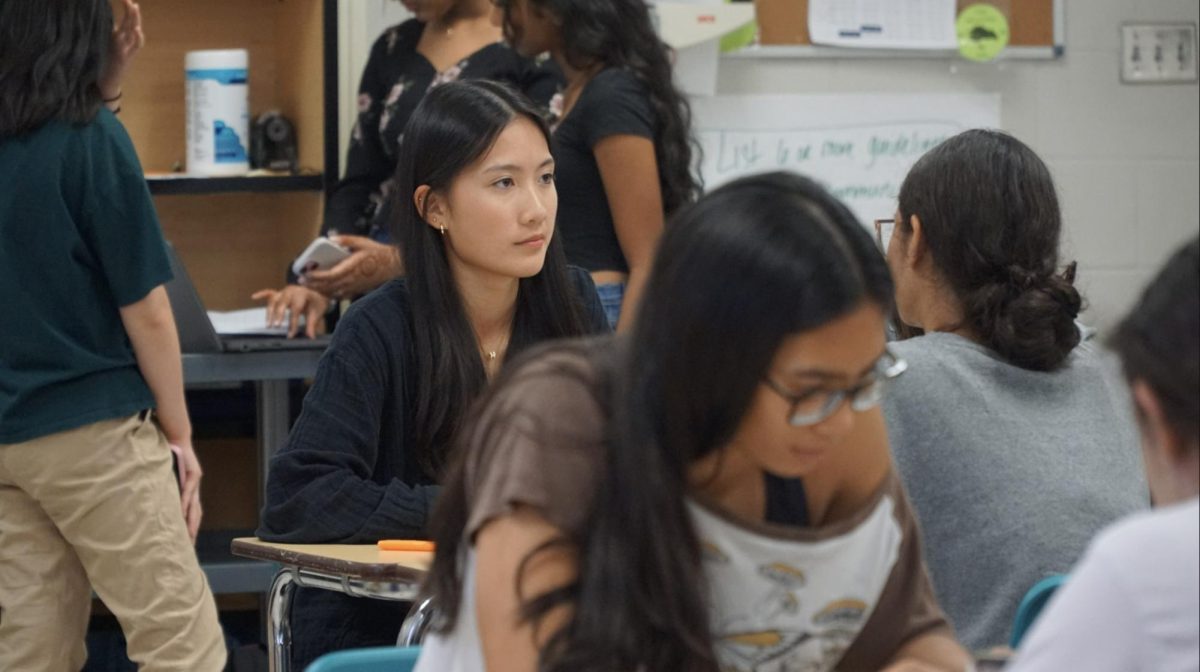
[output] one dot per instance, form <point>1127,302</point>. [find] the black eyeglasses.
<point>814,406</point>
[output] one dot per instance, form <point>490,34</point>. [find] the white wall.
<point>1126,157</point>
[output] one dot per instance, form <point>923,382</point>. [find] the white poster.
<point>895,24</point>
<point>860,146</point>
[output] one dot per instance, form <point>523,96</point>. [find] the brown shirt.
<point>841,596</point>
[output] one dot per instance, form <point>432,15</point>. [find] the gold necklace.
<point>492,355</point>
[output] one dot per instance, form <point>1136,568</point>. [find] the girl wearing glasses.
<point>1015,443</point>
<point>713,491</point>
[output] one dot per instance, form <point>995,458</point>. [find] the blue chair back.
<point>1031,606</point>
<point>380,659</point>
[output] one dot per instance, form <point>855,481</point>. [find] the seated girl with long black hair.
<point>713,491</point>
<point>487,278</point>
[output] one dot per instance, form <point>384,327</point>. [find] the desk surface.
<point>235,367</point>
<point>355,561</point>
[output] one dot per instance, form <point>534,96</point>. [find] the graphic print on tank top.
<point>782,604</point>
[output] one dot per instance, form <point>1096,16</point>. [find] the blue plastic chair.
<point>379,659</point>
<point>1031,606</point>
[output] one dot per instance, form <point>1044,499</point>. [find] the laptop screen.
<point>196,333</point>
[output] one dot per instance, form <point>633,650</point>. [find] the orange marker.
<point>406,545</point>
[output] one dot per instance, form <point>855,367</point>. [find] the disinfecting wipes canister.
<point>218,115</point>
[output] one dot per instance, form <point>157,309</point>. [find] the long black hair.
<point>1159,341</point>
<point>52,54</point>
<point>990,216</point>
<point>748,265</point>
<point>620,34</point>
<point>455,125</point>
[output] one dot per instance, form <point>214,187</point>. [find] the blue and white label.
<point>227,146</point>
<point>218,121</point>
<point>219,75</point>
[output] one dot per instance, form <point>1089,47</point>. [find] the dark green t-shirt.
<point>79,239</point>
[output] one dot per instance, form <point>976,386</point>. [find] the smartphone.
<point>176,455</point>
<point>321,254</point>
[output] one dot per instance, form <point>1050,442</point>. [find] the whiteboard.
<point>860,146</point>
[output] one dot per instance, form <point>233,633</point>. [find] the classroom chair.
<point>378,659</point>
<point>416,623</point>
<point>1031,606</point>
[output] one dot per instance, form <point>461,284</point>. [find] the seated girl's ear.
<point>430,205</point>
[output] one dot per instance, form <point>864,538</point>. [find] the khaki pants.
<point>98,507</point>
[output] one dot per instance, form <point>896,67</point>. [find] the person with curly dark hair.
<point>623,139</point>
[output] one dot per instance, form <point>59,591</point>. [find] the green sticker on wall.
<point>982,32</point>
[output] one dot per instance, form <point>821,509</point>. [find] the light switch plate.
<point>1158,53</point>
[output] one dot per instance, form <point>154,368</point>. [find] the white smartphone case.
<point>321,254</point>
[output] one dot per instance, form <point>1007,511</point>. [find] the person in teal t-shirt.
<point>91,390</point>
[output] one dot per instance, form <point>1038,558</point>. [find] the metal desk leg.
<point>416,623</point>
<point>279,623</point>
<point>274,411</point>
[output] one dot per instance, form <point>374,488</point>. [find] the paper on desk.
<point>248,322</point>
<point>883,24</point>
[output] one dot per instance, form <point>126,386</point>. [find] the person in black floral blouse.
<point>446,40</point>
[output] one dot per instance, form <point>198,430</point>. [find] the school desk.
<point>270,371</point>
<point>354,569</point>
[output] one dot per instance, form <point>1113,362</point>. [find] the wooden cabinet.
<point>237,235</point>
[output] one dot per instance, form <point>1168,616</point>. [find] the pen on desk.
<point>405,545</point>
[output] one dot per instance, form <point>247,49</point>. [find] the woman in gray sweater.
<point>1011,432</point>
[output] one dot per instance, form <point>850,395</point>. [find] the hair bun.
<point>1021,278</point>
<point>1028,318</point>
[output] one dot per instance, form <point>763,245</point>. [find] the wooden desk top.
<point>355,561</point>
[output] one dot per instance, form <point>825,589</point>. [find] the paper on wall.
<point>883,24</point>
<point>693,28</point>
<point>684,23</point>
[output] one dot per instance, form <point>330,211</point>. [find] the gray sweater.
<point>1011,471</point>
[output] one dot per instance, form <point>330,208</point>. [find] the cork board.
<point>1031,22</point>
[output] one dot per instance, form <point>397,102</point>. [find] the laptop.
<point>196,331</point>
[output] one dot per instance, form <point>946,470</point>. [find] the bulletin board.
<point>1031,22</point>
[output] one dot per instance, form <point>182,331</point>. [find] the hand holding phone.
<point>321,254</point>
<point>370,264</point>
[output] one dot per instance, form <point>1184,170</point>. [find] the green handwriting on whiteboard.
<point>908,145</point>
<point>735,152</point>
<point>852,192</point>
